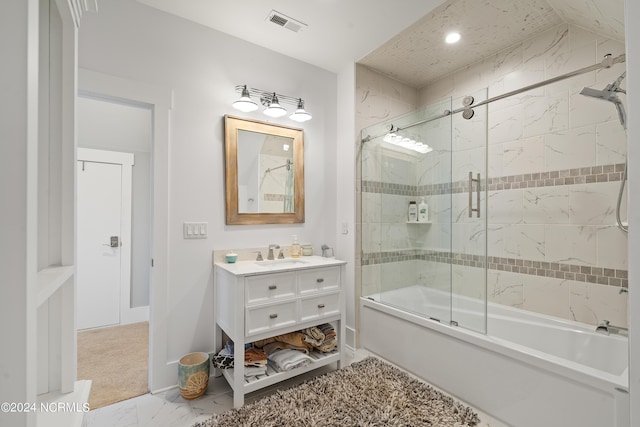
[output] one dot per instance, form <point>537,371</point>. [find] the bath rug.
<point>370,393</point>
<point>116,359</point>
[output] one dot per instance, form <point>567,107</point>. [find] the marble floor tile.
<point>169,409</point>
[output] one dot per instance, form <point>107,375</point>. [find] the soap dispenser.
<point>423,211</point>
<point>295,247</point>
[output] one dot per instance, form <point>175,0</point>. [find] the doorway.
<point>114,227</point>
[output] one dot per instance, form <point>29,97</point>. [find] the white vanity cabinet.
<point>258,300</point>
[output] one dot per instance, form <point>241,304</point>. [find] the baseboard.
<point>134,315</point>
<point>350,338</point>
<point>58,409</point>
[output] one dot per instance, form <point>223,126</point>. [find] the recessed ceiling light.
<point>452,38</point>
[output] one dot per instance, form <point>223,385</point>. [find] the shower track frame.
<point>607,62</point>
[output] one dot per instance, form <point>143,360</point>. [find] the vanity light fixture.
<point>245,103</point>
<point>272,102</point>
<point>453,37</point>
<point>300,115</point>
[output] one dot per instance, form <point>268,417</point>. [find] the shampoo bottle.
<point>423,211</point>
<point>413,211</point>
<point>295,247</point>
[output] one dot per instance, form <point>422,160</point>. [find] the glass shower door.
<point>469,215</point>
<point>405,262</point>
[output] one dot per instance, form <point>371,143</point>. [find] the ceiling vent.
<point>285,21</point>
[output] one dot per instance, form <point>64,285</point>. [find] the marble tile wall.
<point>554,164</point>
<point>378,99</point>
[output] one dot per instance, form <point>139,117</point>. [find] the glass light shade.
<point>245,103</point>
<point>300,115</point>
<point>274,109</point>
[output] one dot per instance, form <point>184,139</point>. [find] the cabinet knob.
<point>272,287</point>
<point>320,280</point>
<point>320,305</point>
<point>273,316</point>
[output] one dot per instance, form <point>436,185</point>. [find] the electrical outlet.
<point>194,230</point>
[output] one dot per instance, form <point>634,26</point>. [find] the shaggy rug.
<point>369,393</point>
<point>116,360</point>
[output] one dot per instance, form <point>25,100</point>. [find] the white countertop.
<point>248,268</point>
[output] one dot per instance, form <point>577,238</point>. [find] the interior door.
<point>99,263</point>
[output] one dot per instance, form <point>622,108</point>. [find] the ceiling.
<point>418,55</point>
<point>338,32</point>
<point>405,43</point>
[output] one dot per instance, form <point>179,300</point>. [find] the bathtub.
<point>530,370</point>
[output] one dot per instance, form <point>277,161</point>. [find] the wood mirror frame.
<point>232,126</point>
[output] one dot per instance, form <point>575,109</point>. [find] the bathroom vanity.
<point>255,300</point>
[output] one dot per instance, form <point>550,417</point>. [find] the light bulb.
<point>452,37</point>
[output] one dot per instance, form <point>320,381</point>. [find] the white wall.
<point>201,67</point>
<point>18,163</point>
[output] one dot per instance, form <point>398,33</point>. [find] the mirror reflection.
<point>264,172</point>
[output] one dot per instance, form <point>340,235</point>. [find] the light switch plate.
<point>345,228</point>
<point>194,230</point>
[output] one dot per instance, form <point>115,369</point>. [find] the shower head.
<point>600,94</point>
<point>610,93</point>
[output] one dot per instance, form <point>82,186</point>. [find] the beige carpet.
<point>116,359</point>
<point>370,393</point>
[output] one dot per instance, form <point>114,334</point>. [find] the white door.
<point>103,258</point>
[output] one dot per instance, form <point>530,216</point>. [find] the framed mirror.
<point>264,172</point>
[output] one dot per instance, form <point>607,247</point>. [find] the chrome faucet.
<point>271,248</point>
<point>606,328</point>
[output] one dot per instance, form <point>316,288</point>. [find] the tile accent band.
<point>580,273</point>
<point>586,175</point>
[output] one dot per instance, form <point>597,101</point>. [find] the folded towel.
<point>255,357</point>
<point>252,371</point>
<point>313,335</point>
<point>279,345</point>
<point>328,345</point>
<point>286,360</point>
<point>330,338</point>
<point>295,339</point>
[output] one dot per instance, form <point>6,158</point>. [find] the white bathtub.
<point>529,370</point>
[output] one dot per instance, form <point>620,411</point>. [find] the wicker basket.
<point>193,374</point>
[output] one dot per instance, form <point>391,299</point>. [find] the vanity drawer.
<point>270,287</point>
<point>319,280</point>
<point>264,318</point>
<point>320,306</point>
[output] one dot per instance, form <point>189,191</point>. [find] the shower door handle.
<point>471,208</point>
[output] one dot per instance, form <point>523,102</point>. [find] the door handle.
<point>471,208</point>
<point>114,242</point>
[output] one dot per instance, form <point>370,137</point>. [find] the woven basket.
<point>193,374</point>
